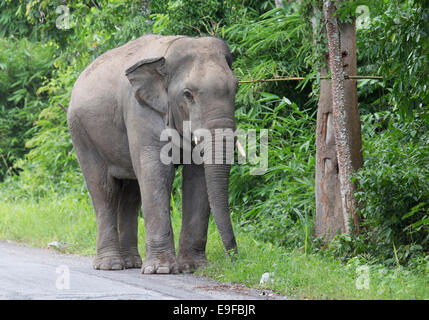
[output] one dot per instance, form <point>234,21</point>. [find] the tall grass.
<point>58,218</point>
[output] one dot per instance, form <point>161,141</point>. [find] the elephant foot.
<point>131,258</point>
<point>190,263</point>
<point>108,261</point>
<point>160,266</point>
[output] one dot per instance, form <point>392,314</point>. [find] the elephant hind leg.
<point>104,191</point>
<point>128,211</point>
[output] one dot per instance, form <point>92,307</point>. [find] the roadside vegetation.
<point>42,193</point>
<point>71,222</point>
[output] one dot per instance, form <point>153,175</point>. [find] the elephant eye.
<point>188,95</point>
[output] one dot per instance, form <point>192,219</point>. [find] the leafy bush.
<point>189,17</point>
<point>24,66</point>
<point>202,17</point>
<point>402,30</point>
<point>394,185</point>
<point>395,45</point>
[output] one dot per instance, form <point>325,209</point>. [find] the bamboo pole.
<point>303,78</point>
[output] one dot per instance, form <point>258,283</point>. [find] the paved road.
<point>34,273</point>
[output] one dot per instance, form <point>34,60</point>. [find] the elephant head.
<point>194,82</point>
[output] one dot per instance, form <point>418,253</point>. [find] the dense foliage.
<point>24,67</point>
<point>40,61</point>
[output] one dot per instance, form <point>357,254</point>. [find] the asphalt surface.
<point>35,273</point>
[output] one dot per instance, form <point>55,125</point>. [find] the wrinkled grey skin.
<point>119,106</point>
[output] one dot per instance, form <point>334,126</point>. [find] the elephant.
<point>119,106</point>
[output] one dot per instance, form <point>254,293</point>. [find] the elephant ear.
<point>148,79</point>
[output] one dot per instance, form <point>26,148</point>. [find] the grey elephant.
<point>119,106</point>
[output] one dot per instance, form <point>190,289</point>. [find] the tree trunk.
<point>279,4</point>
<point>338,136</point>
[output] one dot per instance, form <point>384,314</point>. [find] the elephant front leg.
<point>195,218</point>
<point>156,181</point>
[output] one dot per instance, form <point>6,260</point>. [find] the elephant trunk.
<point>217,181</point>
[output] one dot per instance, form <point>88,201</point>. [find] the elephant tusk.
<point>240,148</point>
<point>195,140</point>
